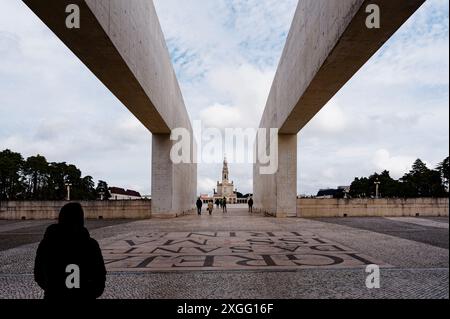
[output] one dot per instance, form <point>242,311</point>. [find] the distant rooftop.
<point>126,192</point>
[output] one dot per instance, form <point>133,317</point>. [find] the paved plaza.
<point>237,255</point>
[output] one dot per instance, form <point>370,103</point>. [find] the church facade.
<point>226,188</point>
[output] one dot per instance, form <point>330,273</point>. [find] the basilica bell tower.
<point>225,172</point>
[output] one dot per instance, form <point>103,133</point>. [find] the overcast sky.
<point>225,53</point>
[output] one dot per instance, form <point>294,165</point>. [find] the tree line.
<point>421,181</point>
<point>35,178</point>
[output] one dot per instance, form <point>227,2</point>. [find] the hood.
<point>61,232</point>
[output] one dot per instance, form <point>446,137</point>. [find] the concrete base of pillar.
<point>174,186</point>
<point>276,194</point>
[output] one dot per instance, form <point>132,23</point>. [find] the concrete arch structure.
<point>328,43</point>
<point>122,43</point>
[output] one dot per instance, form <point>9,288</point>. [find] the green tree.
<point>443,168</point>
<point>36,179</point>
<point>366,187</point>
<point>11,182</point>
<point>87,188</point>
<point>36,171</point>
<point>61,174</point>
<point>388,186</point>
<point>422,182</point>
<point>419,182</point>
<point>56,188</point>
<point>360,188</point>
<point>102,190</point>
<point>73,176</point>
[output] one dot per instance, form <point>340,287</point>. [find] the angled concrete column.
<point>276,194</point>
<point>162,176</point>
<point>171,182</point>
<point>122,43</point>
<point>328,43</point>
<point>286,177</point>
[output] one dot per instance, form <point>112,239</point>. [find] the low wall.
<point>126,209</point>
<point>307,207</point>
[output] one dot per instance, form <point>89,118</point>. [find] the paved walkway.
<point>237,255</point>
<point>421,222</point>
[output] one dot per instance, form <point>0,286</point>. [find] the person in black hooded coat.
<point>69,243</point>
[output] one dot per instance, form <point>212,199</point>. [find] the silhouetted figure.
<point>65,245</point>
<point>224,205</point>
<point>250,205</point>
<point>199,206</point>
<point>217,203</point>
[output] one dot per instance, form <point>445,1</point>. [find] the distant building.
<point>340,192</point>
<point>226,188</point>
<point>327,193</point>
<point>118,193</point>
<point>205,198</point>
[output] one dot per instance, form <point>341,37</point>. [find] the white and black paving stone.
<point>413,265</point>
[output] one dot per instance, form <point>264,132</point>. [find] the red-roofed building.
<point>118,193</point>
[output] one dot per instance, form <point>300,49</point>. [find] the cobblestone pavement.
<point>417,263</point>
<point>17,233</point>
<point>422,230</point>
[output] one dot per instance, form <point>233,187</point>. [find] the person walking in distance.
<point>199,206</point>
<point>250,205</point>
<point>224,205</point>
<point>69,263</point>
<point>210,208</point>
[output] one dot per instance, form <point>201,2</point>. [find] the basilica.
<point>226,188</point>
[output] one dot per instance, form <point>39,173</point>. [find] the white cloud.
<point>331,119</point>
<point>394,110</point>
<point>220,116</point>
<point>396,165</point>
<point>242,92</point>
<point>205,185</point>
<point>225,53</point>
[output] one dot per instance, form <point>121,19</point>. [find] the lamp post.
<point>377,188</point>
<point>68,190</point>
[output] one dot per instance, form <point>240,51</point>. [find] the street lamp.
<point>68,190</point>
<point>377,188</point>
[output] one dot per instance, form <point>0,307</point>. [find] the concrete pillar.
<point>173,185</point>
<point>276,194</point>
<point>287,176</point>
<point>162,176</point>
